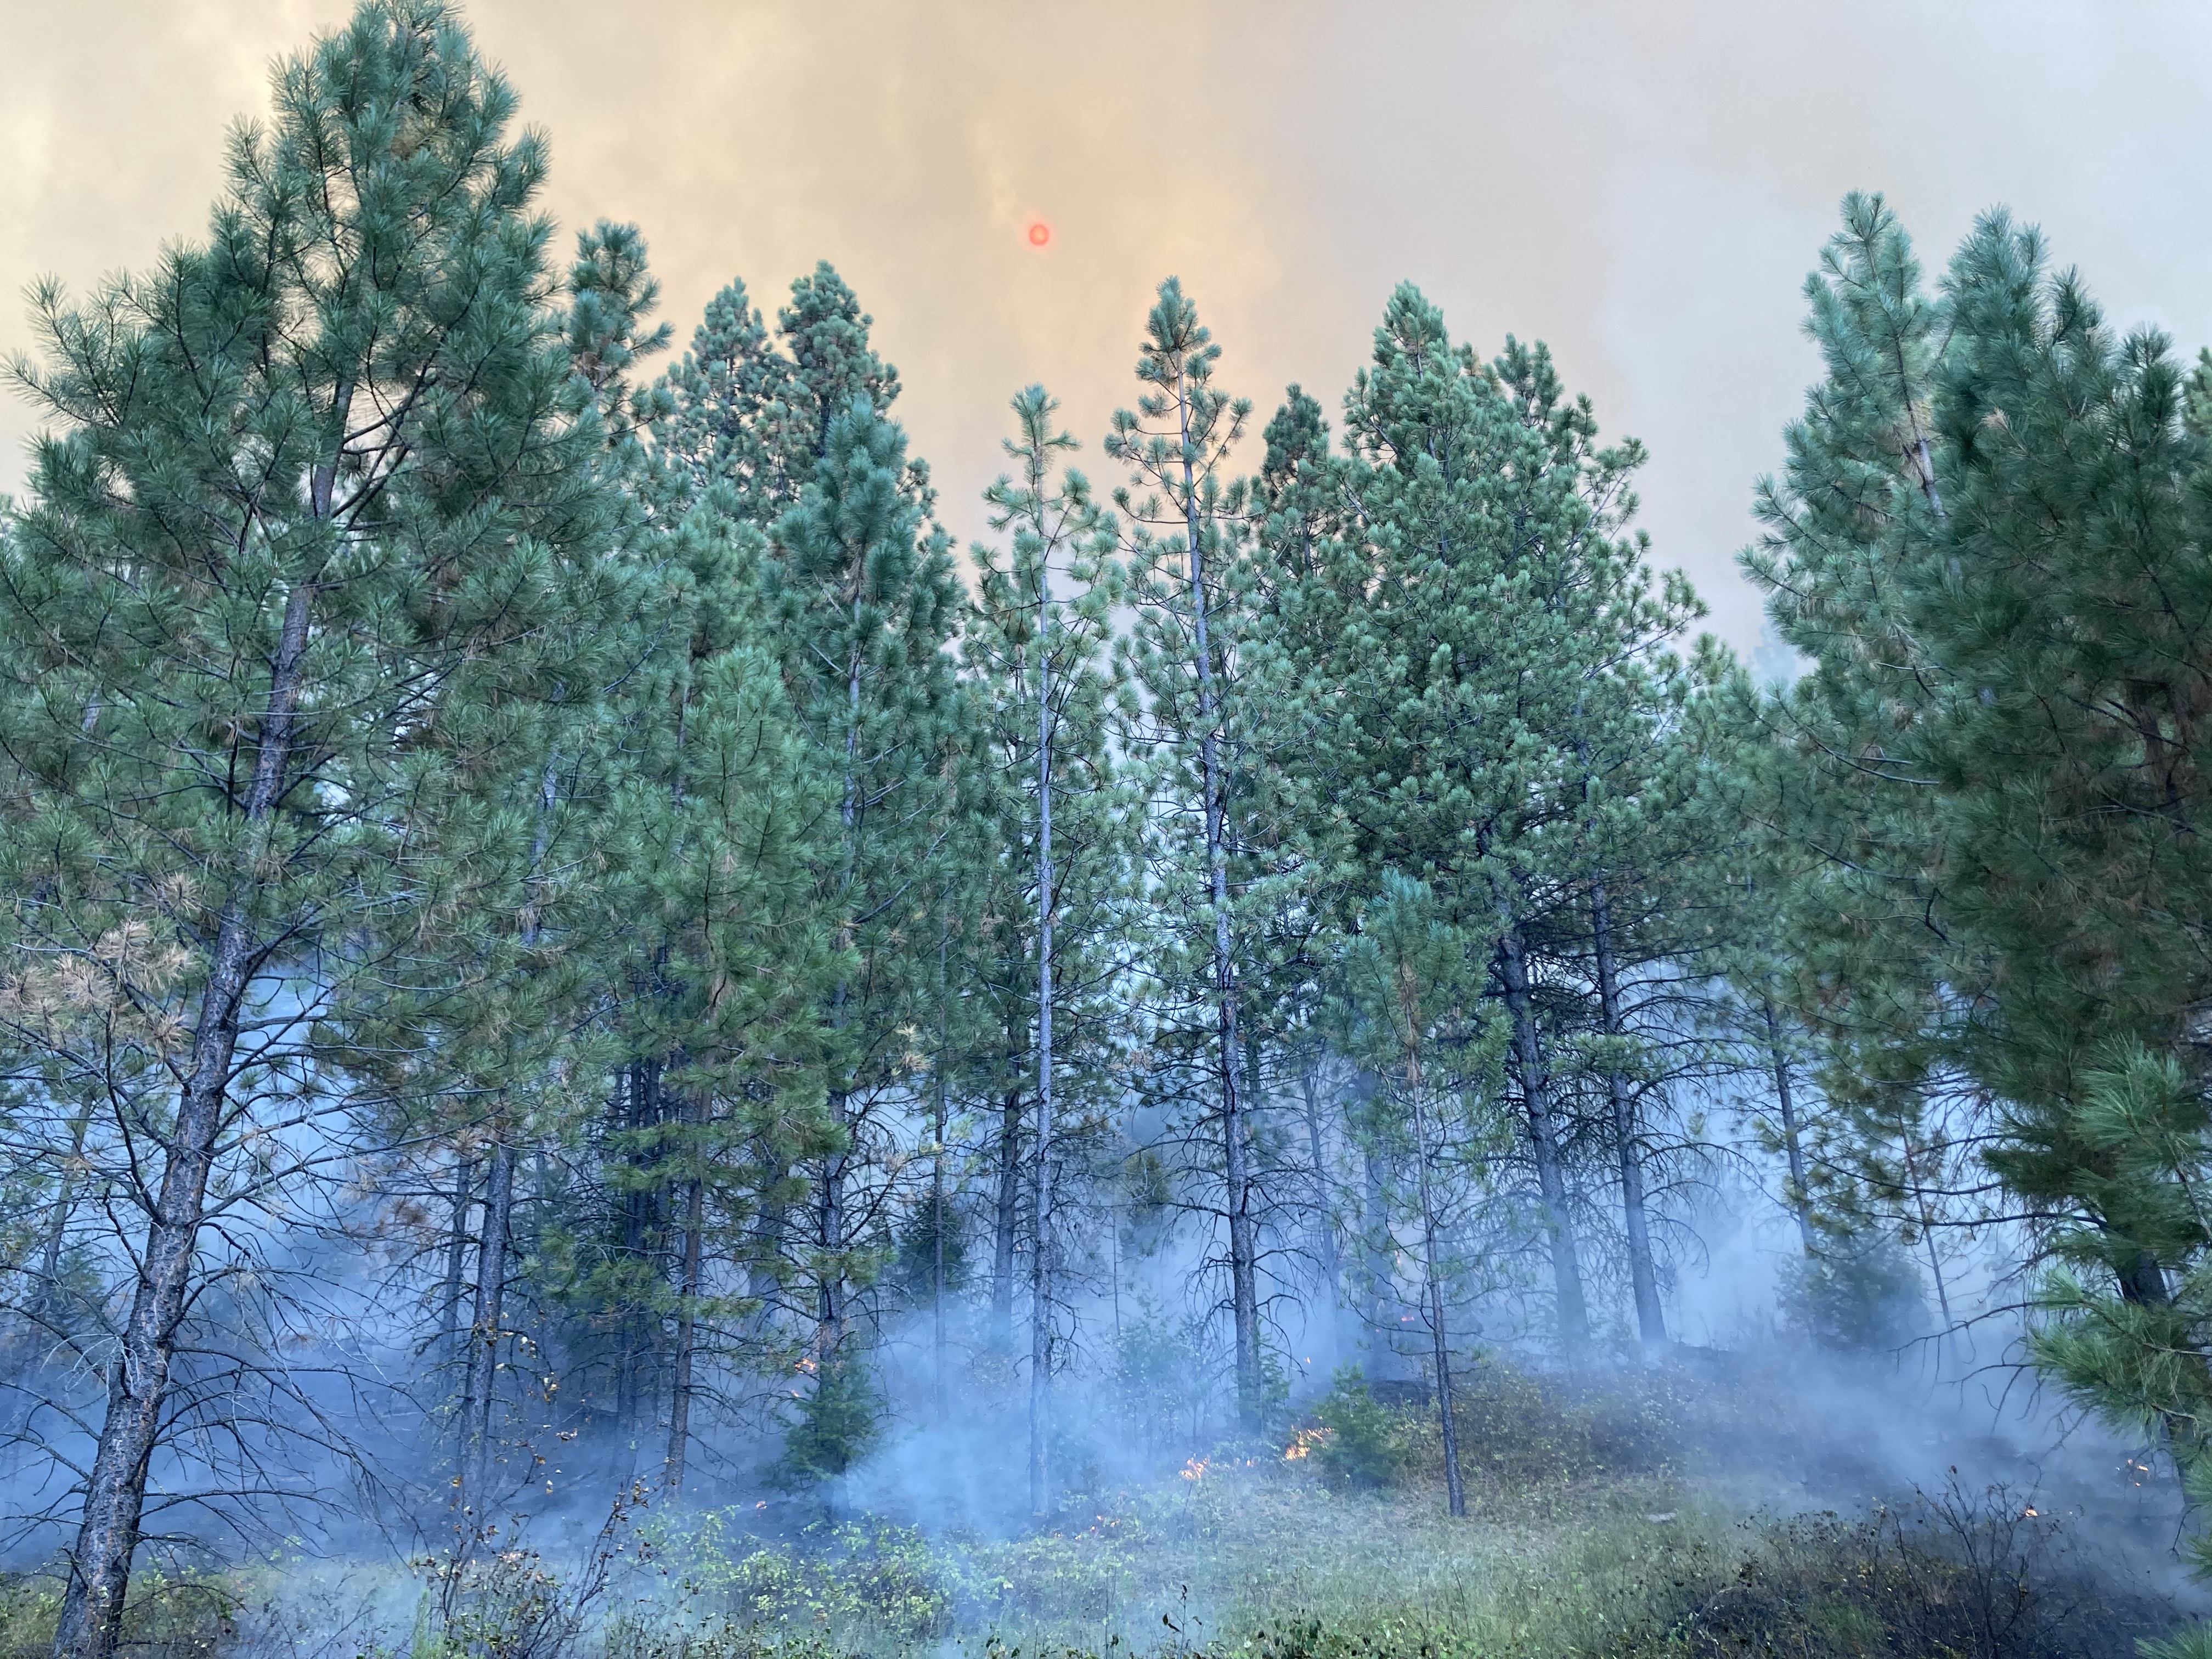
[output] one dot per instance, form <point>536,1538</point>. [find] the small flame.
<point>1303,1444</point>
<point>1195,1469</point>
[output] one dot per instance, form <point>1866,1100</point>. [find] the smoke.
<point>1644,190</point>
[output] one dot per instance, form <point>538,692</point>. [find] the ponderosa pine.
<point>286,584</point>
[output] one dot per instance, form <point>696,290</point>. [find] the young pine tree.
<point>1056,878</point>
<point>1185,523</point>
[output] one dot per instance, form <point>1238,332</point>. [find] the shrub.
<point>1363,1443</point>
<point>1855,1292</point>
<point>837,1424</point>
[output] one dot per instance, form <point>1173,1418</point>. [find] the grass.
<point>1604,1524</point>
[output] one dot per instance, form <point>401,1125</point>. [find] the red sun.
<point>1040,233</point>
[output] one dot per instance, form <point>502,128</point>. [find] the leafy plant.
<point>1365,1443</point>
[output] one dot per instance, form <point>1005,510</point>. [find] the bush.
<point>837,1425</point>
<point>1855,1293</point>
<point>1363,1443</point>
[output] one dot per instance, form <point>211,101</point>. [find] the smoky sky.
<point>1643,187</point>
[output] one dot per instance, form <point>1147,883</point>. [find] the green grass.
<point>1601,1525</point>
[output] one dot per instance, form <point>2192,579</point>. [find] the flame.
<point>1195,1469</point>
<point>1303,1442</point>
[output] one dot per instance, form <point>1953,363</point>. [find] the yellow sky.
<point>1643,185</point>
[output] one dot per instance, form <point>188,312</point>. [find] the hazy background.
<point>1643,185</point>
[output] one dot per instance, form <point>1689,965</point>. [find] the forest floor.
<point>1671,1511</point>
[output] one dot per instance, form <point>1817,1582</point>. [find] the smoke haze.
<point>1643,187</point>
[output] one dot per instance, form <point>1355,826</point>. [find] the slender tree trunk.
<point>450,1349</point>
<point>642,1110</point>
<point>941,1389</point>
<point>1243,1253</point>
<point>1799,1207</point>
<point>1325,1250</point>
<point>1006,1222</point>
<point>687,1330</point>
<point>50,1260</point>
<point>829,1239</point>
<point>1643,1277</point>
<point>1378,1244</point>
<point>91,1618</point>
<point>829,1211</point>
<point>1927,1237</point>
<point>1040,1222</point>
<point>1456,1494</point>
<point>485,1330</point>
<point>690,1274</point>
<point>765,1242</point>
<point>1544,1142</point>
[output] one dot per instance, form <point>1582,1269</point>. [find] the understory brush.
<point>1588,1536</point>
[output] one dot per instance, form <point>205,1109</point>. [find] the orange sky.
<point>1643,185</point>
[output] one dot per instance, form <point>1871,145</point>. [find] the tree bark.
<point>1643,1277</point>
<point>1041,1221</point>
<point>456,1247</point>
<point>1454,1492</point>
<point>1791,1147</point>
<point>941,1388</point>
<point>1243,1254</point>
<point>1544,1142</point>
<point>1378,1247</point>
<point>830,1240</point>
<point>1325,1250</point>
<point>91,1618</point>
<point>485,1331</point>
<point>687,1331</point>
<point>1006,1221</point>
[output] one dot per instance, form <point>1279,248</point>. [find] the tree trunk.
<point>1041,1221</point>
<point>1243,1254</point>
<point>1378,1248</point>
<point>1434,1281</point>
<point>1650,1317</point>
<point>1006,1221</point>
<point>687,1329</point>
<point>91,1618</point>
<point>1325,1251</point>
<point>1454,1492</point>
<point>450,1348</point>
<point>1544,1142</point>
<point>485,1332</point>
<point>830,1240</point>
<point>50,1261</point>
<point>941,1388</point>
<point>1799,1206</point>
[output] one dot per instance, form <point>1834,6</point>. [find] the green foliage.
<point>1855,1292</point>
<point>839,1420</point>
<point>1991,538</point>
<point>1363,1444</point>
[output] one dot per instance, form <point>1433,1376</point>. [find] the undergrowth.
<point>1588,1536</point>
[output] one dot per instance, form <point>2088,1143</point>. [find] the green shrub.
<point>1854,1293</point>
<point>838,1423</point>
<point>1363,1443</point>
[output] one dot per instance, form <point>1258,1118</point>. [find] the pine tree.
<point>864,603</point>
<point>1989,539</point>
<point>1036,666</point>
<point>1186,532</point>
<point>1415,995</point>
<point>286,586</point>
<point>1457,617</point>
